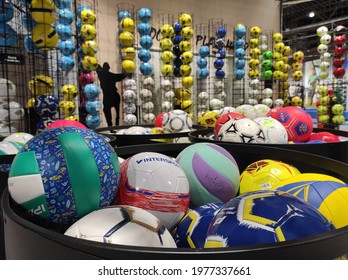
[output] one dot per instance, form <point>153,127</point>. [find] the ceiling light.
<point>311,14</point>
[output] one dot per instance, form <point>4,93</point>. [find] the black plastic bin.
<point>334,150</point>
<point>27,240</point>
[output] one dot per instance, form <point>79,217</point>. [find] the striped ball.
<point>64,173</point>
<point>212,172</point>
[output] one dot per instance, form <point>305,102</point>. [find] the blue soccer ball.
<point>204,51</point>
<point>177,28</point>
<point>64,31</point>
<point>6,11</point>
<point>240,31</point>
<point>176,71</point>
<point>144,29</point>
<point>61,4</point>
<point>221,32</point>
<point>193,227</point>
<point>146,68</point>
<point>240,63</point>
<point>64,173</point>
<point>177,39</point>
<point>66,47</point>
<point>202,62</point>
<point>91,91</point>
<point>146,42</point>
<point>31,48</point>
<point>177,61</point>
<point>8,36</point>
<point>239,74</point>
<point>93,107</point>
<point>46,105</point>
<point>239,43</point>
<point>264,217</point>
<point>144,14</point>
<point>65,16</point>
<point>221,53</point>
<point>239,53</point>
<point>176,50</point>
<point>81,8</point>
<point>93,121</point>
<point>219,43</point>
<point>219,73</point>
<point>203,73</point>
<point>66,63</point>
<point>219,63</point>
<point>144,55</point>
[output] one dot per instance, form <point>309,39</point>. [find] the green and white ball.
<point>62,174</point>
<point>337,109</point>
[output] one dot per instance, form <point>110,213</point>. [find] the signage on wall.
<point>12,58</point>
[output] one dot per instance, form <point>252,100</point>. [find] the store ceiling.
<point>299,30</point>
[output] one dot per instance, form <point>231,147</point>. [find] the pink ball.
<point>60,123</point>
<point>324,136</point>
<point>86,78</point>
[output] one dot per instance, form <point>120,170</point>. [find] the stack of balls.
<point>44,102</point>
<point>239,52</point>
<point>167,56</point>
<point>144,30</point>
<point>254,65</point>
<point>67,106</point>
<point>278,63</point>
<point>177,38</point>
<point>323,50</point>
<point>88,64</point>
<point>297,74</point>
<point>339,51</point>
<point>127,26</point>
<point>202,61</point>
<point>169,96</point>
<point>64,31</point>
<point>284,83</point>
<point>43,33</point>
<point>129,97</point>
<point>266,64</point>
<point>8,36</point>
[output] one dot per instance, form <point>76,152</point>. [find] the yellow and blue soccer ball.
<point>192,229</point>
<point>264,217</point>
<point>45,176</point>
<point>326,193</point>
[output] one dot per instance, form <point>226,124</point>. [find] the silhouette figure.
<point>111,97</point>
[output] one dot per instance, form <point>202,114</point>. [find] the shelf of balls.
<point>333,143</point>
<point>220,211</point>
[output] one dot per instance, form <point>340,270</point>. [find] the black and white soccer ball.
<point>177,121</point>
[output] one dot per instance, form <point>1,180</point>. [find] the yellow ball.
<point>265,174</point>
<point>167,70</point>
<point>187,33</point>
<point>285,59</point>
<point>89,63</point>
<point>128,66</point>
<point>286,51</point>
<point>185,46</point>
<point>254,63</point>
<point>187,57</point>
<point>296,101</point>
<point>285,77</point>
<point>167,57</point>
<point>277,56</point>
<point>278,65</point>
<point>285,85</point>
<point>253,74</point>
<point>255,53</point>
<point>185,20</point>
<point>127,24</point>
<point>277,37</point>
<point>253,42</point>
<point>72,118</point>
<point>297,75</point>
<point>278,75</point>
<point>208,118</point>
<point>89,47</point>
<point>183,93</point>
<point>69,91</point>
<point>30,102</point>
<point>128,53</point>
<point>88,16</point>
<point>126,39</point>
<point>298,56</point>
<point>44,36</point>
<point>186,105</point>
<point>185,70</point>
<point>187,81</point>
<point>41,84</point>
<point>67,107</point>
<point>166,44</point>
<point>297,66</point>
<point>167,31</point>
<point>279,47</point>
<point>338,119</point>
<point>88,31</point>
<point>42,11</point>
<point>286,68</point>
<point>255,32</point>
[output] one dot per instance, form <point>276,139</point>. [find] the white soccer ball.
<point>325,57</point>
<point>216,104</point>
<point>322,30</point>
<point>325,39</point>
<point>169,96</point>
<point>247,110</point>
<point>221,95</point>
<point>4,115</point>
<point>278,102</point>
<point>5,129</point>
<point>226,109</point>
<point>145,94</point>
<point>16,111</point>
<point>129,96</point>
<point>7,90</point>
<point>123,225</point>
<point>261,110</point>
<point>274,131</point>
<point>203,107</point>
<point>203,97</point>
<point>148,107</point>
<point>167,85</point>
<point>267,92</point>
<point>161,185</point>
<point>322,48</point>
<point>148,83</point>
<point>254,83</point>
<point>166,106</point>
<point>219,85</point>
<point>149,118</point>
<point>136,130</point>
<point>130,119</point>
<point>242,130</point>
<point>177,121</point>
<point>130,84</point>
<point>254,93</point>
<point>267,101</point>
<point>252,101</point>
<point>129,108</point>
<point>18,137</point>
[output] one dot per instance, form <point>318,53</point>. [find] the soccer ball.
<point>177,121</point>
<point>69,91</point>
<point>42,11</point>
<point>254,83</point>
<point>247,110</point>
<point>91,91</point>
<point>137,130</point>
<point>167,70</point>
<point>167,106</point>
<point>54,163</point>
<point>296,101</point>
<point>166,85</point>
<point>338,119</point>
<point>185,46</point>
<point>88,16</point>
<point>278,103</point>
<point>66,63</point>
<point>255,32</point>
<point>148,118</point>
<point>145,94</point>
<point>337,109</point>
<point>86,78</point>
<point>265,174</point>
<point>129,108</point>
<point>130,119</point>
<point>167,31</point>
<point>46,105</point>
<point>167,57</point>
<point>64,33</point>
<point>123,225</point>
<point>148,179</point>
<point>89,32</point>
<point>148,107</point>
<point>90,63</point>
<point>128,66</point>
<point>169,96</point>
<point>212,173</point>
<point>67,107</point>
<point>148,83</point>
<point>185,20</point>
<point>145,68</point>
<point>297,122</point>
<point>264,217</point>
<point>242,130</point>
<point>130,84</point>
<point>144,28</point>
<point>41,84</point>
<point>187,33</point>
<point>192,229</point>
<point>166,44</point>
<point>327,193</point>
<point>7,90</point>
<point>126,38</point>
<point>187,57</point>
<point>261,110</point>
<point>274,131</point>
<point>18,137</point>
<point>127,24</point>
<point>208,118</point>
<point>145,14</point>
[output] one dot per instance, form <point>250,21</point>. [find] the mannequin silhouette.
<point>111,97</point>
